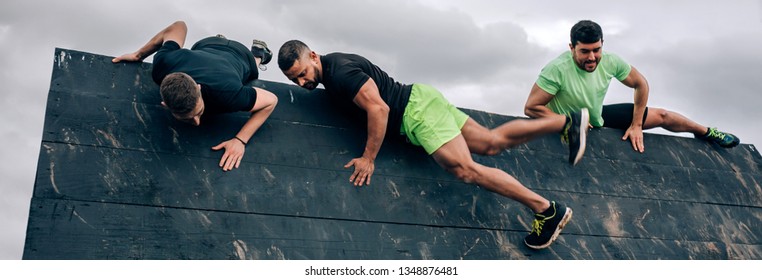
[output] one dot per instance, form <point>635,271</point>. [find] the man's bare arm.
<point>236,146</point>
<point>369,99</point>
<point>536,106</point>
<point>174,32</point>
<point>635,131</point>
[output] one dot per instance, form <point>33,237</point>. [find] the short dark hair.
<point>179,93</point>
<point>290,52</point>
<point>586,32</point>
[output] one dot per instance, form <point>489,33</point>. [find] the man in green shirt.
<point>580,78</point>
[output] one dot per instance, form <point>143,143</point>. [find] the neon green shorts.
<point>430,120</point>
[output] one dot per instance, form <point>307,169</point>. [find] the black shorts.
<point>620,115</point>
<point>217,42</point>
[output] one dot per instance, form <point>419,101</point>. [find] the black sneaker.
<point>724,139</point>
<point>575,134</point>
<point>259,49</point>
<point>548,225</point>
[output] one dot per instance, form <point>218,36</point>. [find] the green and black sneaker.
<point>724,139</point>
<point>548,225</point>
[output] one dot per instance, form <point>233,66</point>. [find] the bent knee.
<point>487,150</point>
<point>493,150</point>
<point>657,116</point>
<point>467,173</point>
<point>493,145</point>
<point>661,113</point>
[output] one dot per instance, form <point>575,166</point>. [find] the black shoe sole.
<point>267,55</point>
<point>584,122</point>
<point>732,144</point>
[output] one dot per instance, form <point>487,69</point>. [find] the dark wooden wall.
<point>118,178</point>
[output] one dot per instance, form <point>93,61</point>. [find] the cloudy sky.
<point>701,58</point>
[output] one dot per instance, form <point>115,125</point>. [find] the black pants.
<point>620,115</point>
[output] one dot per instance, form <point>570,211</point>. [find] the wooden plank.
<point>95,75</point>
<point>82,119</point>
<point>86,230</point>
<point>136,117</point>
<point>144,127</point>
<point>121,121</point>
<point>166,180</point>
<point>631,179</point>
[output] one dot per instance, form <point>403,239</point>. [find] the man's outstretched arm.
<point>638,82</point>
<point>369,99</point>
<point>174,32</point>
<point>236,146</point>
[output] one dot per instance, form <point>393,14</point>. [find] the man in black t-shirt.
<point>427,119</point>
<point>210,78</point>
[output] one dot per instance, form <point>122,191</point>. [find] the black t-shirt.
<point>222,71</point>
<point>344,75</point>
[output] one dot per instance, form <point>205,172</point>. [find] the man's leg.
<point>672,121</point>
<point>620,116</point>
<point>428,103</point>
<point>436,125</point>
<point>510,134</point>
<point>491,142</point>
<point>678,123</point>
<point>455,157</point>
<point>550,217</point>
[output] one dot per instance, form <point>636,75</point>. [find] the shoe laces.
<point>565,133</point>
<point>537,225</point>
<point>716,134</point>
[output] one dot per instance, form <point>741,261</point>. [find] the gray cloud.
<point>412,41</point>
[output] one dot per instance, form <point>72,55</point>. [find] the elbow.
<point>529,112</point>
<point>378,112</point>
<point>379,109</point>
<point>384,109</point>
<point>265,102</point>
<point>269,108</point>
<point>274,103</point>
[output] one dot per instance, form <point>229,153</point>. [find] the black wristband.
<point>239,139</point>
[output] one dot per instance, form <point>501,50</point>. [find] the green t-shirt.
<point>575,88</point>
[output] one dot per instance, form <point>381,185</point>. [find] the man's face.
<point>194,116</point>
<point>305,72</point>
<point>587,56</point>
